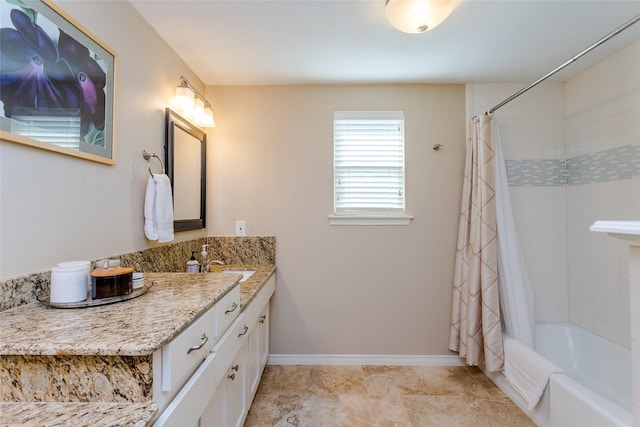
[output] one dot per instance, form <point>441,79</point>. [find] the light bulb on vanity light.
<point>192,105</point>
<point>208,121</point>
<point>183,99</point>
<point>198,110</point>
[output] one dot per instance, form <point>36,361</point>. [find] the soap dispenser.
<point>203,258</point>
<point>192,264</point>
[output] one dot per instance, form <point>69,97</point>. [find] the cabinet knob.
<point>235,368</point>
<point>232,309</point>
<point>232,376</point>
<point>263,318</point>
<point>245,329</point>
<point>204,338</point>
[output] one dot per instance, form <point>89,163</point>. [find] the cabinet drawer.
<point>228,309</point>
<point>182,356</point>
<point>192,399</point>
<point>227,348</point>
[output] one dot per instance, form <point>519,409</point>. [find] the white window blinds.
<point>368,162</point>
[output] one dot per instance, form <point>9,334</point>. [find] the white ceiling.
<point>254,42</point>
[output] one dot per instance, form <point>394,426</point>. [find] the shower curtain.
<point>489,271</point>
<point>516,293</point>
<point>475,332</point>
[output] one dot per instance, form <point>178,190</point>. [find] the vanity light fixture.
<point>418,16</point>
<point>189,102</point>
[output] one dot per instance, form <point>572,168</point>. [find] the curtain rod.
<point>573,59</point>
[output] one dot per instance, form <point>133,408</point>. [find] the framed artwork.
<point>57,82</point>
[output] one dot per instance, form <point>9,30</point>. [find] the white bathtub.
<point>597,388</point>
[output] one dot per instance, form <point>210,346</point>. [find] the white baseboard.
<point>364,359</point>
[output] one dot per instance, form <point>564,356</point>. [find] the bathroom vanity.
<point>189,352</point>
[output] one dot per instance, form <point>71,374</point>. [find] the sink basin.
<point>245,273</point>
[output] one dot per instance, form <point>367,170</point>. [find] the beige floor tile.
<point>493,390</point>
<point>395,380</point>
<point>449,380</point>
<point>285,379</point>
<point>371,410</point>
<point>500,413</point>
<point>380,396</point>
<point>264,409</point>
<point>306,410</point>
<point>335,380</point>
<point>437,411</point>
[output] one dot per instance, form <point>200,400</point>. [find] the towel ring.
<point>147,156</point>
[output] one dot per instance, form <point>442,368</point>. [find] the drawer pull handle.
<point>245,329</point>
<point>232,376</point>
<point>232,309</point>
<point>235,368</point>
<point>204,339</point>
<point>263,318</point>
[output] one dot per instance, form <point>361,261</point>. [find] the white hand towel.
<point>150,227</point>
<point>527,371</point>
<point>158,209</point>
<point>164,208</point>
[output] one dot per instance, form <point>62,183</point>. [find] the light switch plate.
<point>240,228</point>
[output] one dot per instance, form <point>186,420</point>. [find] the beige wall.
<point>342,289</point>
<point>56,208</point>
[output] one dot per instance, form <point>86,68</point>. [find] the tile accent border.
<point>615,164</point>
<point>604,166</point>
<point>535,173</point>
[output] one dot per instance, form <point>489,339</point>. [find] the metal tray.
<point>96,302</point>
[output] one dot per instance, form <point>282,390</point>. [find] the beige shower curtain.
<point>475,312</point>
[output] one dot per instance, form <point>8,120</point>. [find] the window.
<point>368,164</point>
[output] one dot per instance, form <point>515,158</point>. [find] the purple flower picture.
<point>54,76</point>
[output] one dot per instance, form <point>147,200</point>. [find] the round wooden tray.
<point>96,302</point>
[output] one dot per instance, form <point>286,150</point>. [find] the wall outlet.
<point>241,228</point>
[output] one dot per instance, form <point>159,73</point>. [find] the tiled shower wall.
<point>603,152</point>
<point>573,157</point>
<point>532,133</point>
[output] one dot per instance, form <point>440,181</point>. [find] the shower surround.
<point>573,157</point>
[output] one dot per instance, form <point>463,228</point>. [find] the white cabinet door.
<point>252,377</point>
<point>228,407</point>
<point>263,339</point>
<point>191,401</point>
<point>235,395</point>
<point>214,414</point>
<point>257,353</point>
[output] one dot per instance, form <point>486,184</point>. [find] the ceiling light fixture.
<point>191,104</point>
<point>417,16</point>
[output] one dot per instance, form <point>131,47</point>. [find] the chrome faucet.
<point>204,268</point>
<point>204,264</point>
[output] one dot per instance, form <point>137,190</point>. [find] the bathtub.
<point>596,390</point>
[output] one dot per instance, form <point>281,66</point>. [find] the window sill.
<point>370,219</point>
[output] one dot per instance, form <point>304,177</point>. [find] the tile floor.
<point>399,396</point>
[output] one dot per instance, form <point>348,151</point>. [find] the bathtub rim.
<point>540,415</point>
<point>613,412</point>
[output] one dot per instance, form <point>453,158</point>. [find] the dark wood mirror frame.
<point>177,125</point>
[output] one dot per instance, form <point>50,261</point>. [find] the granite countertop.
<point>135,327</point>
<point>53,414</point>
<point>141,326</point>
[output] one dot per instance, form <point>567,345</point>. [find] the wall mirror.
<point>185,148</point>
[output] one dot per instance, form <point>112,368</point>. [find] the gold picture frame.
<point>57,83</point>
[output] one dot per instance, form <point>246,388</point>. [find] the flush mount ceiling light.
<point>191,104</point>
<point>417,16</point>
